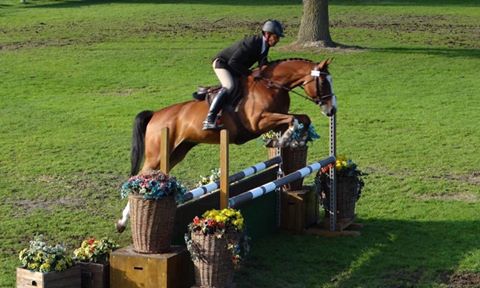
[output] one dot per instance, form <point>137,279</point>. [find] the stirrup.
<point>212,125</point>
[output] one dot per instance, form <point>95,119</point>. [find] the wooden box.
<point>95,275</point>
<point>129,269</point>
<point>70,278</point>
<point>299,209</point>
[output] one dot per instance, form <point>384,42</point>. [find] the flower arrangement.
<point>270,138</point>
<point>345,167</point>
<point>298,136</point>
<point>349,185</point>
<point>213,177</point>
<point>41,257</point>
<point>155,185</point>
<point>96,251</point>
<point>227,223</point>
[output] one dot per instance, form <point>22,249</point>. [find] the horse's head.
<point>319,87</point>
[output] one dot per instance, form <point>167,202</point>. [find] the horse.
<point>263,107</point>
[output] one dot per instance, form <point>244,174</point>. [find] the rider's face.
<point>272,39</point>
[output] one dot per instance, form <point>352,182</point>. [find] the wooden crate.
<point>70,278</point>
<point>129,269</point>
<point>95,275</point>
<point>299,209</point>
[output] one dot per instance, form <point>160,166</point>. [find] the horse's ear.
<point>324,64</point>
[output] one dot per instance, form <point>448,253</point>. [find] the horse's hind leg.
<point>153,146</point>
<point>179,152</point>
<point>122,223</point>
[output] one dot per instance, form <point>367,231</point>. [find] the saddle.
<point>208,93</point>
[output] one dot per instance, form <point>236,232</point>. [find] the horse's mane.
<point>278,61</point>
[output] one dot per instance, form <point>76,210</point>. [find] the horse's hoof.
<point>120,227</point>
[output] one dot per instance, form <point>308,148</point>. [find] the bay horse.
<point>263,107</point>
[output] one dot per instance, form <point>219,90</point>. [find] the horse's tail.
<point>138,139</point>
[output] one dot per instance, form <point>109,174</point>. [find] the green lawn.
<point>75,73</point>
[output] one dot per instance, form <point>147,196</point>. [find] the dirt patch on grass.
<point>461,196</point>
<point>406,278</point>
<point>27,206</point>
<point>91,35</point>
<point>430,29</point>
<point>464,280</point>
<point>77,191</point>
<point>448,30</point>
<point>402,278</point>
<point>473,178</point>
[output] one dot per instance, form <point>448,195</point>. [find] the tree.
<point>314,28</point>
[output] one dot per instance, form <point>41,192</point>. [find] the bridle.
<point>318,99</point>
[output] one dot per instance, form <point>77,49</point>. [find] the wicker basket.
<point>347,196</point>
<point>214,266</point>
<point>152,223</point>
<point>294,159</point>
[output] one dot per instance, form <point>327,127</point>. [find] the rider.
<point>236,61</point>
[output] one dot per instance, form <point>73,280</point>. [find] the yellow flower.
<point>61,265</point>
<point>45,267</point>
<point>220,218</point>
<point>210,214</point>
<point>22,254</point>
<point>32,266</point>
<point>228,212</point>
<point>238,223</point>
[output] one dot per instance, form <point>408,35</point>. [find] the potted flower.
<point>294,150</point>
<point>216,242</point>
<point>349,187</point>
<point>93,258</point>
<point>44,265</point>
<point>152,207</point>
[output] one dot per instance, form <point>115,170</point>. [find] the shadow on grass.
<point>76,3</point>
<point>389,253</point>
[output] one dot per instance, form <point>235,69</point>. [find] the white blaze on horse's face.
<point>333,101</point>
<point>327,100</point>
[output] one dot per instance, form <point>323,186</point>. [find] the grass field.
<point>75,73</point>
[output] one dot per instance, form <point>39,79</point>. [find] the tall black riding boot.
<point>211,120</point>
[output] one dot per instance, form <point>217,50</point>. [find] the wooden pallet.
<point>344,227</point>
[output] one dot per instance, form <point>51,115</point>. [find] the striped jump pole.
<point>202,190</point>
<point>271,186</point>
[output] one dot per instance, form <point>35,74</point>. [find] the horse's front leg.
<point>274,121</point>
<point>287,138</point>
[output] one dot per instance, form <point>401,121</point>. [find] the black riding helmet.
<point>273,26</point>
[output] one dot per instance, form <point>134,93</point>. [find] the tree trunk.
<point>314,28</point>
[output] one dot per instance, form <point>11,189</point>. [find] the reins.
<point>271,84</point>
